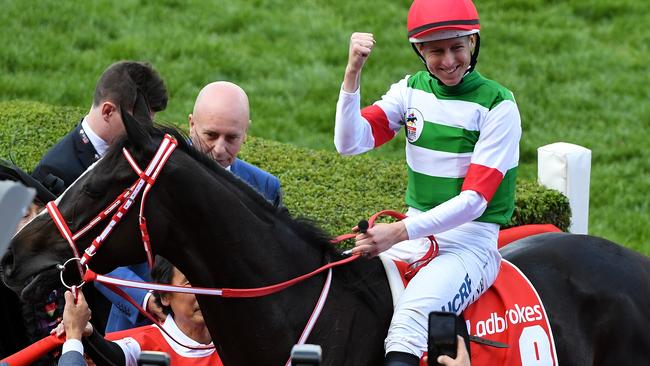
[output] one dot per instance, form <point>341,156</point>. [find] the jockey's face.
<point>448,59</point>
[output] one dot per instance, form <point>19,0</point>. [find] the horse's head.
<point>30,265</point>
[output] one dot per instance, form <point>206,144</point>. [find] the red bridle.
<point>123,203</point>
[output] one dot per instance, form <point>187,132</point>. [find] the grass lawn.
<point>578,70</point>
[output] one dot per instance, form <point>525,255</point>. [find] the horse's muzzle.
<point>6,267</point>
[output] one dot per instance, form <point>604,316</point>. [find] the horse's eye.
<point>90,192</point>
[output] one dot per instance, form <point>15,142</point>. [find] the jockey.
<point>462,152</point>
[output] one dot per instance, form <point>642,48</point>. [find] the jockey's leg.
<point>465,267</point>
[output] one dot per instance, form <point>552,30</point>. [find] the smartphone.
<point>442,335</point>
<point>153,358</point>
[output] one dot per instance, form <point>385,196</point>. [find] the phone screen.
<point>442,335</point>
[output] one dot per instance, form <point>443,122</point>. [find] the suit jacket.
<point>267,184</point>
<point>68,159</point>
<point>72,358</point>
<point>124,315</point>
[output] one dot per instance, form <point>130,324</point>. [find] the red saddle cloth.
<point>509,312</point>
<point>507,236</point>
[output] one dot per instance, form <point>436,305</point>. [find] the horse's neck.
<point>262,331</point>
<point>273,321</point>
<point>253,257</point>
<point>248,248</point>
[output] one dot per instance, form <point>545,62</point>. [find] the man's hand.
<point>462,357</point>
<point>379,238</point>
<point>75,318</point>
<point>154,309</point>
<point>361,45</point>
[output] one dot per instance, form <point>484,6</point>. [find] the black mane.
<point>304,227</point>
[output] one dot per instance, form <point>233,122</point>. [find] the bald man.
<point>218,128</point>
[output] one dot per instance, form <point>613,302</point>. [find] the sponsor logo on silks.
<point>414,122</point>
<point>499,323</point>
<point>480,289</point>
<point>461,297</point>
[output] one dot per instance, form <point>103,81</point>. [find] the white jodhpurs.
<point>467,264</point>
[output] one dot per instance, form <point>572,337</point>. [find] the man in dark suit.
<point>102,126</point>
<point>94,134</point>
<point>218,127</point>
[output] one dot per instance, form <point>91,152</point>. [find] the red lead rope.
<point>415,267</point>
<point>266,290</point>
<point>223,292</point>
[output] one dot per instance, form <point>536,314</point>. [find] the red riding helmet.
<point>431,20</point>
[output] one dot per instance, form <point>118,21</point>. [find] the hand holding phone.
<point>462,358</point>
<point>442,336</point>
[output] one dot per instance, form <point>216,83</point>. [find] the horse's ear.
<point>137,125</point>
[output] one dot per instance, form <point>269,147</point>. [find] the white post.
<point>567,168</point>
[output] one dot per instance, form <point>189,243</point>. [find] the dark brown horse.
<point>221,233</point>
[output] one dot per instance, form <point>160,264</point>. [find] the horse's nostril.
<point>7,263</point>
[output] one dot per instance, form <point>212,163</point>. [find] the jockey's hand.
<point>361,45</point>
<point>379,238</point>
<point>155,310</point>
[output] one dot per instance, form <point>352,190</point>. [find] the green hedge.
<point>333,190</point>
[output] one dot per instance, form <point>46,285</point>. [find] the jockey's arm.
<point>467,206</point>
<point>359,130</point>
<point>352,132</point>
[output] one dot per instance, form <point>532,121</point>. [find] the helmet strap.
<point>472,62</point>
